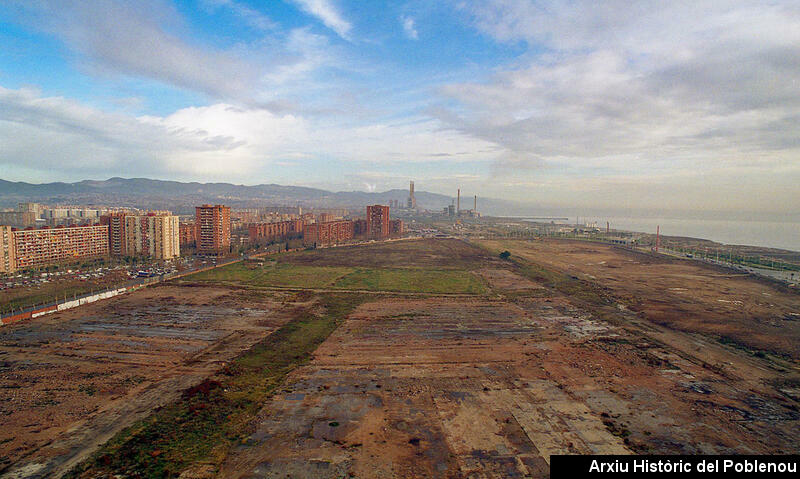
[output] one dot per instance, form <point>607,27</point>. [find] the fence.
<point>55,306</point>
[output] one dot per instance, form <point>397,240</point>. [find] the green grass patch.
<point>213,416</point>
<point>273,274</point>
<point>410,280</point>
<point>413,280</point>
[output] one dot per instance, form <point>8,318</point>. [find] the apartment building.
<point>360,228</point>
<point>116,233</point>
<point>154,236</point>
<point>325,217</point>
<point>18,219</point>
<point>277,231</point>
<point>187,234</point>
<point>396,227</point>
<point>326,234</point>
<point>44,246</point>
<point>378,222</point>
<point>7,250</point>
<point>213,223</point>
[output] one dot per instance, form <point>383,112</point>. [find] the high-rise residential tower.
<point>378,222</point>
<point>213,223</point>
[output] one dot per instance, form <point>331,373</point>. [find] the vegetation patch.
<point>211,417</point>
<point>272,274</point>
<point>440,254</point>
<point>413,280</point>
<point>423,280</point>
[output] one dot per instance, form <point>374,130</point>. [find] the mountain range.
<point>181,197</point>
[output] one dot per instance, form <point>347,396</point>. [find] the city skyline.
<point>672,106</point>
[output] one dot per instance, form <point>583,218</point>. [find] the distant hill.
<point>181,197</point>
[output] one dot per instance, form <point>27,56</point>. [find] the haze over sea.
<point>772,234</point>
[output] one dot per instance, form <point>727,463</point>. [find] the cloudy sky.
<point>673,105</point>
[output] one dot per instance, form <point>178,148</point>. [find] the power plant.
<point>452,210</point>
<point>412,201</point>
<point>456,211</point>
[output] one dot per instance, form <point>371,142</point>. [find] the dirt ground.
<point>491,388</point>
<point>69,381</point>
<point>679,294</point>
<point>477,386</point>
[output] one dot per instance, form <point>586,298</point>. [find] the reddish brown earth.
<point>492,386</point>
<point>437,386</point>
<point>71,380</point>
<point>680,294</point>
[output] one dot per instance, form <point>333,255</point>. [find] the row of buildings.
<point>154,235</point>
<point>327,231</point>
<point>37,215</point>
<point>160,235</point>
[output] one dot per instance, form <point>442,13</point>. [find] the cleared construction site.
<point>426,358</point>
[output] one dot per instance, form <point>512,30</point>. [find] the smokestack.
<point>658,237</point>
<point>458,201</point>
<point>475,205</point>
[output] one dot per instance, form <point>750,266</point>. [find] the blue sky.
<point>670,105</point>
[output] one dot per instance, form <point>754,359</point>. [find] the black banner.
<point>562,466</point>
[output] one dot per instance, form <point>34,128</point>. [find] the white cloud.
<point>305,52</point>
<point>328,14</point>
<point>251,16</point>
<point>134,39</point>
<point>61,138</point>
<point>56,136</point>
<point>650,86</point>
<point>148,39</point>
<point>409,27</point>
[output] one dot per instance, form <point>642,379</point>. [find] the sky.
<point>680,105</point>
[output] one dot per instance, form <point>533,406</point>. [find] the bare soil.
<point>679,294</point>
<point>69,381</point>
<point>435,386</point>
<point>492,388</point>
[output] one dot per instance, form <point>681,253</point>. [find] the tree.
<point>505,255</point>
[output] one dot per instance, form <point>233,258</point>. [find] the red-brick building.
<point>278,231</point>
<point>360,228</point>
<point>396,227</point>
<point>213,224</point>
<point>44,246</point>
<point>187,234</point>
<point>116,232</point>
<point>325,234</point>
<point>378,222</point>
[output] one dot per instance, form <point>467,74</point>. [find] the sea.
<point>771,234</point>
